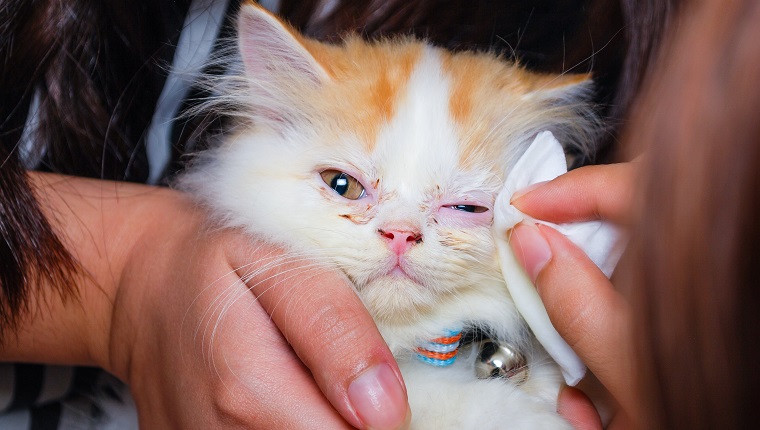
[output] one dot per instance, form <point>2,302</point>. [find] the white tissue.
<point>543,161</point>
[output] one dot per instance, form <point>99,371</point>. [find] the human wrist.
<point>157,227</point>
<point>95,221</point>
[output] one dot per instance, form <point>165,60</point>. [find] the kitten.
<point>383,160</point>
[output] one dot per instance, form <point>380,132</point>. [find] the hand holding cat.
<point>205,337</point>
<point>272,352</point>
<point>581,302</point>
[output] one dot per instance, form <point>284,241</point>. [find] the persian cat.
<point>383,160</point>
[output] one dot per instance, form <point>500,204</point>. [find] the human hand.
<point>203,332</point>
<point>581,302</point>
<point>575,407</point>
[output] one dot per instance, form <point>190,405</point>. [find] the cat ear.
<point>281,77</point>
<point>272,50</point>
<point>564,107</point>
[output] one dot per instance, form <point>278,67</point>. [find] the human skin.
<point>165,304</point>
<point>586,309</point>
<point>161,305</point>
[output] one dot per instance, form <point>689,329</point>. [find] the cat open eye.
<point>343,184</point>
<point>469,208</point>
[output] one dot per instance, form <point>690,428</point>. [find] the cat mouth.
<point>401,270</point>
<point>398,271</point>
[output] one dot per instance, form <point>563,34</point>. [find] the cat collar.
<point>441,351</point>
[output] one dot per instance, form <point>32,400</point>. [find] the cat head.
<point>382,158</point>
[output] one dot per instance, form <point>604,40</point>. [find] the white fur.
<point>265,179</point>
<point>450,399</point>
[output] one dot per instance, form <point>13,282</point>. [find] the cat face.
<point>382,159</point>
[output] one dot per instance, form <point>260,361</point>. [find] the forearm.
<point>99,222</point>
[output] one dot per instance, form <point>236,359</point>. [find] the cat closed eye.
<point>344,184</point>
<point>469,208</point>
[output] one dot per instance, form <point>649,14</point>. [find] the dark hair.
<point>646,24</point>
<point>93,67</point>
<point>693,274</point>
<point>30,251</point>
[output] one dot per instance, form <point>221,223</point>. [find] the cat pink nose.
<point>400,240</point>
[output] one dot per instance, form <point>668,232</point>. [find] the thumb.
<point>330,330</point>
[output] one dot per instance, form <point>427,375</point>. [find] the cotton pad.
<point>543,161</point>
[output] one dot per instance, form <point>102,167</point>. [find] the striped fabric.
<point>441,351</point>
<point>38,397</point>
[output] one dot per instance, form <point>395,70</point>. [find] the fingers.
<point>334,336</point>
<point>587,193</point>
<point>216,359</point>
<point>577,409</point>
<point>582,304</point>
<point>265,384</point>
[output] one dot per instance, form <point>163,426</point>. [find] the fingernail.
<point>530,248</point>
<point>379,399</point>
<point>519,193</point>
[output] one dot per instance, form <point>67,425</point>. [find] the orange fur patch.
<point>369,79</point>
<point>483,90</point>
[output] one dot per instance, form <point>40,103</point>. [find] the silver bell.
<point>501,361</point>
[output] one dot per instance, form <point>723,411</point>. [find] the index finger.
<point>332,333</point>
<point>584,194</point>
<point>588,313</point>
